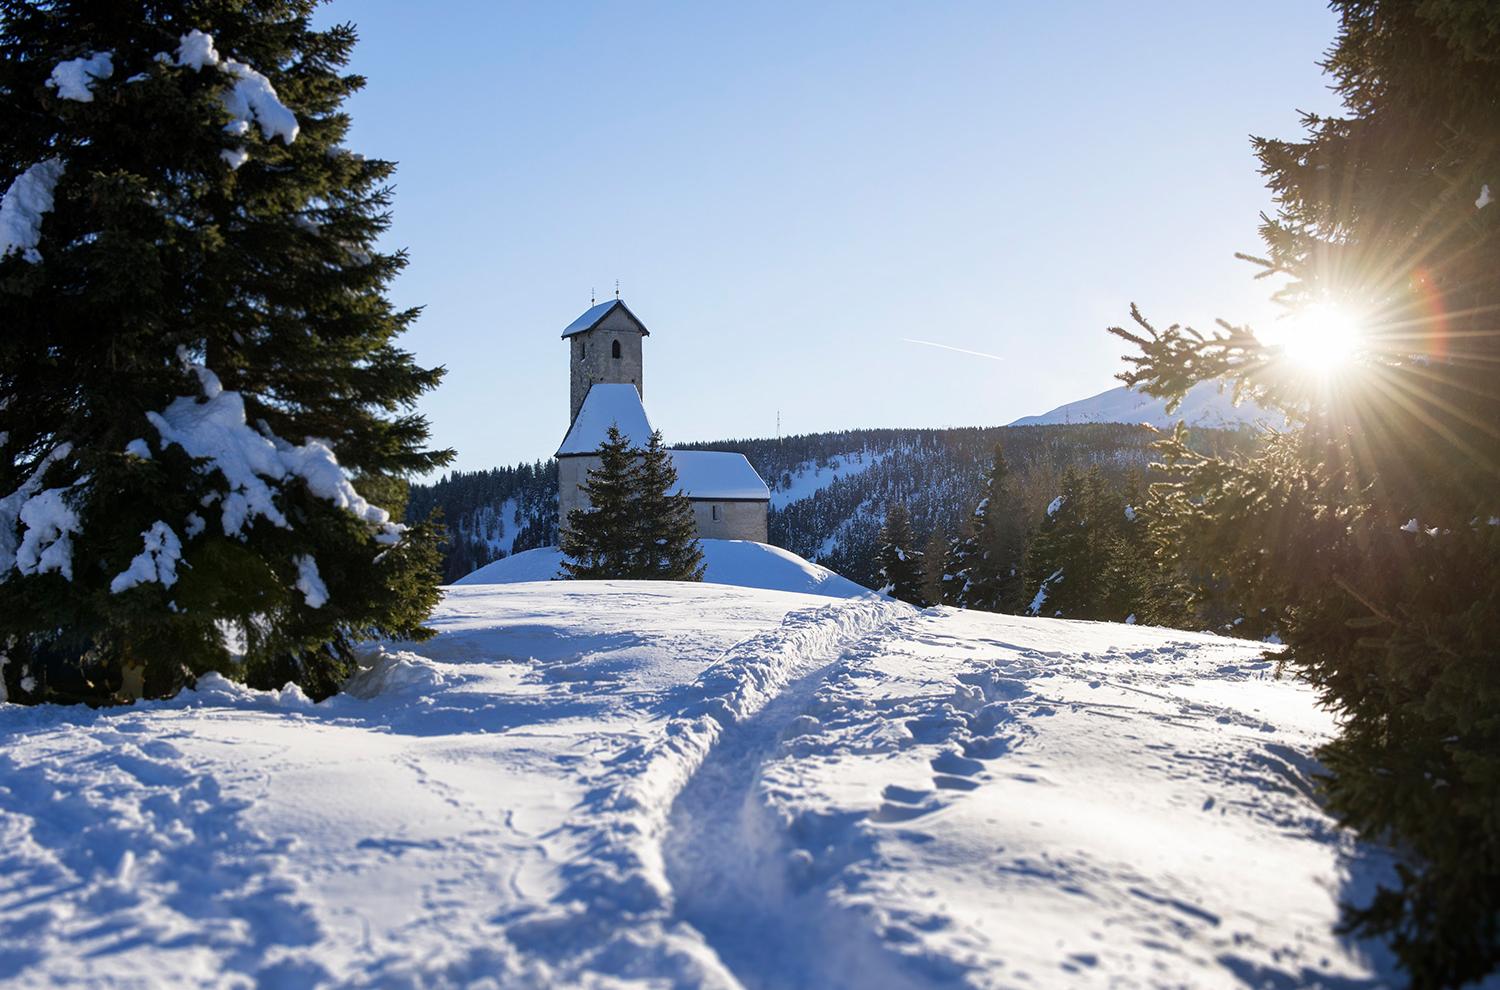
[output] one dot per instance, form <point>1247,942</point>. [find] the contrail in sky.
<point>950,347</point>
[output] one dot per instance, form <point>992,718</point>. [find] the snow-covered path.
<point>656,785</point>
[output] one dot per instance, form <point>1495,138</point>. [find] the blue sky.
<point>789,193</point>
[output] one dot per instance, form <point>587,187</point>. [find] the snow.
<point>643,784</point>
<point>75,78</point>
<point>196,51</point>
<point>12,505</point>
<point>157,562</point>
<point>253,96</point>
<point>1484,197</point>
<point>1204,405</point>
<point>250,97</point>
<point>310,583</point>
<point>710,474</point>
<point>742,563</point>
<point>1054,506</point>
<point>1040,598</point>
<point>215,430</point>
<point>28,199</point>
<point>590,317</point>
<point>138,448</point>
<point>607,404</point>
<point>809,477</point>
<point>50,524</point>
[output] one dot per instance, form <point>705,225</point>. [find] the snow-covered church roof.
<point>701,474</point>
<point>723,474</point>
<point>595,315</point>
<point>606,405</point>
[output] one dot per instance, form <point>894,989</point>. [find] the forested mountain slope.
<point>829,491</point>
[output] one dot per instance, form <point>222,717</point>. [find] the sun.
<point>1321,337</point>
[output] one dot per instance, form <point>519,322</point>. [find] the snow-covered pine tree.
<point>991,574</point>
<point>900,562</point>
<point>603,540</point>
<point>959,559</point>
<point>934,568</point>
<point>1072,559</point>
<point>204,416</point>
<point>1370,532</point>
<point>667,534</point>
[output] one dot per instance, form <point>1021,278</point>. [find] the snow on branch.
<point>28,199</point>
<point>251,97</point>
<point>157,562</point>
<point>16,508</point>
<point>75,78</point>
<point>254,463</point>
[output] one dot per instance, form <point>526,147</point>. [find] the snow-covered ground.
<point>666,785</point>
<point>809,477</point>
<point>742,563</point>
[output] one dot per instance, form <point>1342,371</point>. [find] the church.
<point>729,499</point>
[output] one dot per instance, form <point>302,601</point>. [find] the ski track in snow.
<point>654,785</point>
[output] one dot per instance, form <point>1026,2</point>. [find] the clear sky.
<point>790,193</point>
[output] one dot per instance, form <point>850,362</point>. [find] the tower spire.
<point>617,288</point>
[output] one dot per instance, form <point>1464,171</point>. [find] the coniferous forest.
<point>831,493</point>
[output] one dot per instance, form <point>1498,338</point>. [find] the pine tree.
<point>603,540</point>
<point>1365,534</point>
<point>990,565</point>
<point>900,562</point>
<point>959,559</point>
<point>204,416</point>
<point>1077,552</point>
<point>934,568</point>
<point>667,533</point>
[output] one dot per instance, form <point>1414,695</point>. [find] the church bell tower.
<point>604,347</point>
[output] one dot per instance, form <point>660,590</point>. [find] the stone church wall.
<point>592,362</point>
<point>737,520</point>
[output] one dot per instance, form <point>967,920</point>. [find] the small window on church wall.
<point>615,349</point>
<point>714,512</point>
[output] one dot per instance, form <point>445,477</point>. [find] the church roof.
<point>594,315</point>
<point>606,405</point>
<point>721,474</point>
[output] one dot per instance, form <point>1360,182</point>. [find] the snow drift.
<point>738,562</point>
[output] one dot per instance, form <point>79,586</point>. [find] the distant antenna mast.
<point>778,427</point>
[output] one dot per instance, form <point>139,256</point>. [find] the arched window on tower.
<point>614,349</point>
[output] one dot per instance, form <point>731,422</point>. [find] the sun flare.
<point>1321,337</point>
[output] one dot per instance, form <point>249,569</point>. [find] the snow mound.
<point>741,563</point>
<point>1203,406</point>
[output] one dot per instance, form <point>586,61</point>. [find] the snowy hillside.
<point>1203,406</point>
<point>742,563</point>
<point>651,784</point>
